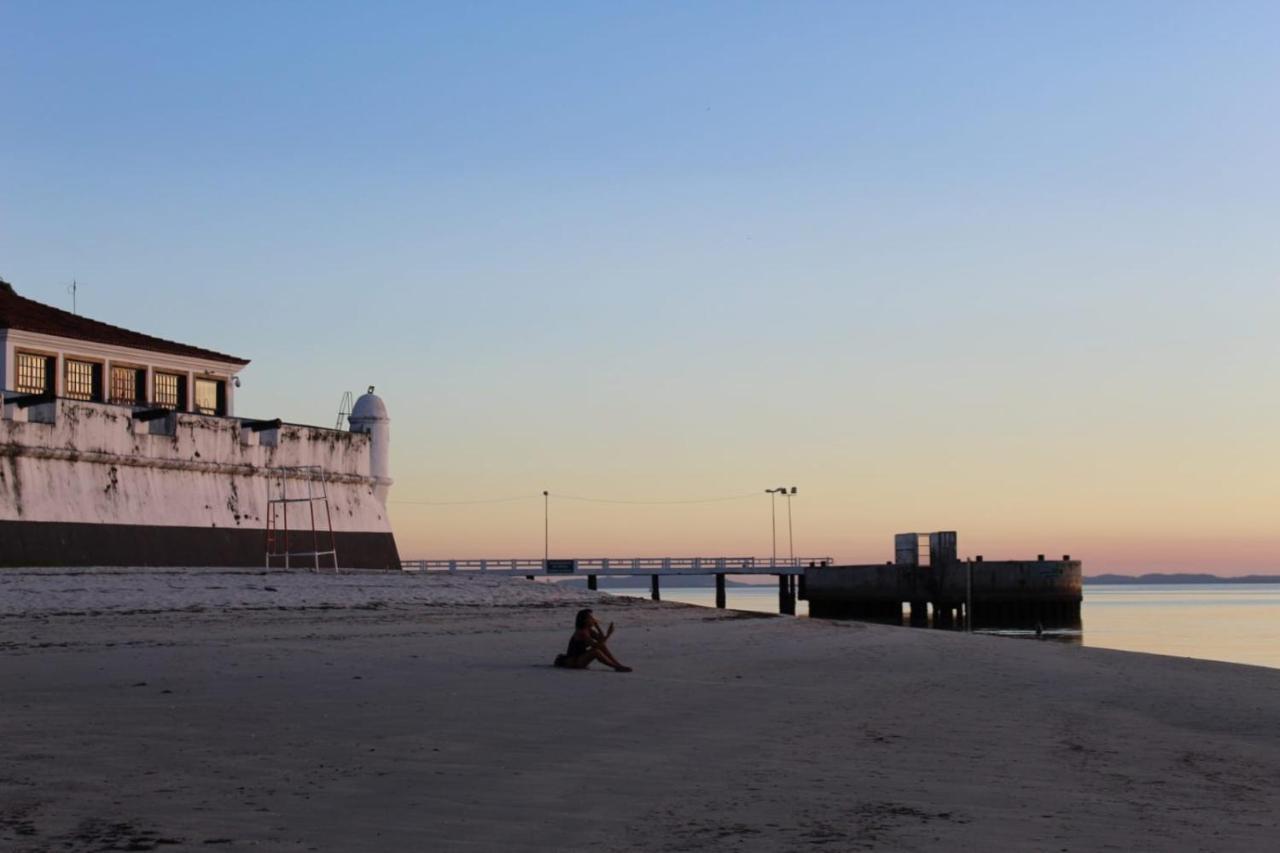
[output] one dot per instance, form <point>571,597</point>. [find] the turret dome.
<point>369,408</point>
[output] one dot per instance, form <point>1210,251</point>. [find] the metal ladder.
<point>279,497</point>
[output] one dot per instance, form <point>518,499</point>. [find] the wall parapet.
<point>114,434</point>
<point>92,463</point>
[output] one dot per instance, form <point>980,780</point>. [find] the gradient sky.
<point>1005,268</point>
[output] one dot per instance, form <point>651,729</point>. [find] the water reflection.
<point>1238,623</point>
<point>1069,636</point>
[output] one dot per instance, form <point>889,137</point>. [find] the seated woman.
<point>588,644</point>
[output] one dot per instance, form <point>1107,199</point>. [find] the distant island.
<point>708,581</point>
<point>1181,579</point>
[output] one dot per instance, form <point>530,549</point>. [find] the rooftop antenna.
<point>72,288</point>
<point>344,408</point>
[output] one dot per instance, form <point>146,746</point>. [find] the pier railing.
<point>625,565</point>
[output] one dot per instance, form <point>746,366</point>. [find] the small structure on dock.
<point>928,581</point>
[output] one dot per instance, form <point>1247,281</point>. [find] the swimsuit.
<point>577,646</point>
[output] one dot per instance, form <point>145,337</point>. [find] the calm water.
<point>1228,622</point>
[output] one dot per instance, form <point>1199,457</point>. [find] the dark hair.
<point>582,619</point>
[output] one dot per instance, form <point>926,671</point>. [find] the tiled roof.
<point>18,312</point>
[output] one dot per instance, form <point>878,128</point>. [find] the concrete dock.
<point>940,589</point>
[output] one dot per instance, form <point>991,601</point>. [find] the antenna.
<point>344,408</point>
<point>72,288</point>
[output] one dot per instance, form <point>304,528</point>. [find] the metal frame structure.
<point>278,532</point>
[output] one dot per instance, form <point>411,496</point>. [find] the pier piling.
<point>919,613</point>
<point>592,582</point>
<point>786,597</point>
<point>720,597</point>
<point>654,592</point>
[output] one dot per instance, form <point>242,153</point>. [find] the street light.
<point>546,528</point>
<point>791,537</point>
<point>773,516</point>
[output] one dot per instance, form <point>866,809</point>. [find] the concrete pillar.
<point>919,613</point>
<point>803,594</point>
<point>592,583</point>
<point>720,597</point>
<point>654,591</point>
<point>786,602</point>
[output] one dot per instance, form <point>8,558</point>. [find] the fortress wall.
<point>87,484</point>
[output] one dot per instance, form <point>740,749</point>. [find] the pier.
<point>790,572</point>
<point>926,584</point>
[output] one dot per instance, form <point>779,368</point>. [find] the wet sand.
<point>410,715</point>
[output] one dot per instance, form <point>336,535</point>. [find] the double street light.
<point>773,512</point>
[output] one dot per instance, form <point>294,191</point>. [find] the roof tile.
<point>18,312</point>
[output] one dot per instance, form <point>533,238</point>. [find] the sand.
<point>147,711</point>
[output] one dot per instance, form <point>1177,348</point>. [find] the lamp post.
<point>791,537</point>
<point>773,518</point>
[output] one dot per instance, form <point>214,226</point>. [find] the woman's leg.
<point>584,660</point>
<point>606,657</point>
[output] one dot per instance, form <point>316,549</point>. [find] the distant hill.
<point>1180,579</point>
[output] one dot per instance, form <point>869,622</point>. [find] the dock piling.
<point>919,613</point>
<point>786,600</point>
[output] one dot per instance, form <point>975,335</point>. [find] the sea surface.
<point>1239,623</point>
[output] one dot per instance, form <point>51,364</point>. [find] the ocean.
<point>1238,623</point>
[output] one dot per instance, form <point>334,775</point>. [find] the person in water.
<point>589,643</point>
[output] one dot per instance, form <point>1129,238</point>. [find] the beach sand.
<point>241,711</point>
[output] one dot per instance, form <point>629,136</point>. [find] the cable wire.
<point>468,503</point>
<point>656,503</point>
<point>581,499</point>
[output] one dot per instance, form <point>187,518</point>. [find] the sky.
<point>1009,269</point>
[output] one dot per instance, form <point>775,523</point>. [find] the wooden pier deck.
<point>788,570</point>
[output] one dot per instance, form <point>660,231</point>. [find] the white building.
<point>47,351</point>
<point>123,449</point>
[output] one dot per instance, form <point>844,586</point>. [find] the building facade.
<point>44,350</point>
<point>123,449</point>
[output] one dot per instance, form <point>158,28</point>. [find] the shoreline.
<point>423,714</point>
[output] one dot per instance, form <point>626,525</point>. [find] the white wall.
<point>89,462</point>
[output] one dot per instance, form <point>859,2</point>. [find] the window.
<point>83,380</point>
<point>211,397</point>
<point>128,384</point>
<point>171,391</point>
<point>34,373</point>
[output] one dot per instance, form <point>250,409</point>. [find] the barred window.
<point>34,374</point>
<point>171,391</point>
<point>83,380</point>
<point>128,384</point>
<point>211,397</point>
